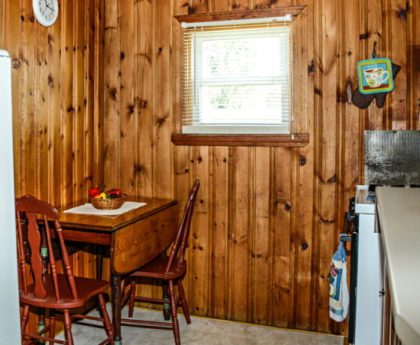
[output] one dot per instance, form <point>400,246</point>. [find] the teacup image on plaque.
<point>375,76</point>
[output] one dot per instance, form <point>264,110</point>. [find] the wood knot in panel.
<point>365,35</point>
<point>15,63</point>
<point>113,93</point>
<point>327,221</point>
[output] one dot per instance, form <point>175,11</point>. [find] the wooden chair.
<point>170,270</point>
<point>48,289</point>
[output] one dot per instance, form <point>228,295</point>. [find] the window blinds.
<point>236,76</point>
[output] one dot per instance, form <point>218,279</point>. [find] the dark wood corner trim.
<point>244,14</point>
<point>285,140</point>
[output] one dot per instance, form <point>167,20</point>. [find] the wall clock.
<point>46,11</point>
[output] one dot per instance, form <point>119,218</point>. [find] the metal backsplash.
<point>392,158</point>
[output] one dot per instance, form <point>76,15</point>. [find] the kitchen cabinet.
<point>388,334</point>
<point>399,221</point>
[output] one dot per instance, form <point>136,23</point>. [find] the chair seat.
<point>156,269</point>
<point>86,288</point>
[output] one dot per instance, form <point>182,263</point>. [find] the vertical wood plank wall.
<point>267,219</point>
<point>57,79</point>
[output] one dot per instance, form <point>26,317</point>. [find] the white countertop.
<point>399,216</point>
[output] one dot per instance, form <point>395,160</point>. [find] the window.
<point>237,76</point>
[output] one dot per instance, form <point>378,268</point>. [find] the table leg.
<point>116,308</point>
<point>45,261</point>
<point>99,265</point>
<point>41,324</point>
<point>166,306</point>
<point>99,261</point>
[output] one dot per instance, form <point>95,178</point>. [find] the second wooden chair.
<point>170,270</point>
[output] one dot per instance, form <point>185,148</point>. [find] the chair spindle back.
<point>181,240</point>
<point>36,213</point>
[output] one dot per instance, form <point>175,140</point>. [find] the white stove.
<point>391,158</point>
<point>368,286</point>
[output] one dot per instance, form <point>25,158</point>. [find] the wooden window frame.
<point>298,128</point>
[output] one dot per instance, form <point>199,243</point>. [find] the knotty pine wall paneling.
<point>54,86</point>
<point>326,213</point>
<point>267,218</point>
<point>305,192</point>
<point>57,88</point>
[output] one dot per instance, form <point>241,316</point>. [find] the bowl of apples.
<point>107,200</point>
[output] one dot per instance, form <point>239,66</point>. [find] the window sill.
<point>284,140</point>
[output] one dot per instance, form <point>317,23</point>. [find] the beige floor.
<point>203,331</point>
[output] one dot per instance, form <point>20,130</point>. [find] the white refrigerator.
<point>9,291</point>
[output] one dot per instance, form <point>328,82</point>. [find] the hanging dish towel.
<point>339,293</point>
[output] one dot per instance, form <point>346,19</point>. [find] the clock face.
<point>46,11</point>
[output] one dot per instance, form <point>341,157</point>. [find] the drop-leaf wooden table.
<point>134,238</point>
